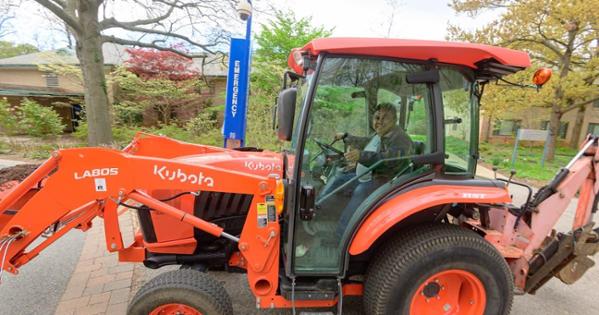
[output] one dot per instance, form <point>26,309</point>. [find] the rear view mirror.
<point>428,76</point>
<point>286,113</point>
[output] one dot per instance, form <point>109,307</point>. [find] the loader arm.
<point>74,186</point>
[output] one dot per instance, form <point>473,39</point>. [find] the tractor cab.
<point>365,119</point>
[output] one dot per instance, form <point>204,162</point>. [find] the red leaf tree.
<point>153,63</point>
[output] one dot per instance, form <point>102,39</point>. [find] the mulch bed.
<point>18,172</point>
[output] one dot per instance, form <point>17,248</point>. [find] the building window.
<point>51,80</point>
<point>594,129</point>
<point>563,128</point>
<point>506,127</point>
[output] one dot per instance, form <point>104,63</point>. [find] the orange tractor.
<point>375,195</point>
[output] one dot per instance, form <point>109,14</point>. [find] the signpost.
<point>531,135</point>
<point>237,90</point>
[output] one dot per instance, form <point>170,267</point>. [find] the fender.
<point>397,209</point>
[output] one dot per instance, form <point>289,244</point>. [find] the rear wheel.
<point>186,291</point>
<point>438,269</point>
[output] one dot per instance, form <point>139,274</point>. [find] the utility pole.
<point>238,81</point>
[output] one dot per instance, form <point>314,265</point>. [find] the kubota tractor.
<point>374,195</point>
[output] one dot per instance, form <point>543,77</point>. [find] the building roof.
<point>467,54</point>
<point>113,55</point>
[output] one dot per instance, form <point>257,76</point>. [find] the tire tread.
<point>406,249</point>
<point>186,279</point>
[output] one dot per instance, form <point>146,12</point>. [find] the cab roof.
<point>495,61</point>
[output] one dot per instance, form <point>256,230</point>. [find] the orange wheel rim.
<point>175,309</point>
<point>450,292</point>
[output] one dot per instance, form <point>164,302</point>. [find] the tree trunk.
<point>89,51</point>
<point>575,140</point>
<point>554,122</point>
<point>489,128</point>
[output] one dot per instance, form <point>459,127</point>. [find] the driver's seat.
<point>419,147</point>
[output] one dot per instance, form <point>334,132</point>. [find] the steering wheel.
<point>327,149</point>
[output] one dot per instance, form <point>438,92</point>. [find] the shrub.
<point>202,123</point>
<point>175,132</point>
<point>8,120</point>
<point>128,113</point>
<point>36,120</point>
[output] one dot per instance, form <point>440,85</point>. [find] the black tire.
<point>407,261</point>
<point>189,287</point>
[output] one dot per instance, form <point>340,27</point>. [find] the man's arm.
<point>396,146</point>
<point>357,142</point>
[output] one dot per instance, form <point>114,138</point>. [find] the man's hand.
<point>340,135</point>
<point>352,156</point>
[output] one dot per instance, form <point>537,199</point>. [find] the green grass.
<point>4,147</point>
<point>528,163</point>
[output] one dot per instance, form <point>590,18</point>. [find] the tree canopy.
<point>275,41</point>
<point>8,49</point>
<point>153,63</point>
<point>285,32</point>
<point>560,34</point>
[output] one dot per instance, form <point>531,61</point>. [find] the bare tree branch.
<point>74,24</point>
<point>112,22</point>
<point>575,106</point>
<point>545,43</point>
<point>168,33</point>
<point>3,29</point>
<point>122,41</point>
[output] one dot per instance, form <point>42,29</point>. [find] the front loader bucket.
<point>12,191</point>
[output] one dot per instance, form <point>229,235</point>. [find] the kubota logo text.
<point>474,196</point>
<point>260,166</point>
<point>112,171</point>
<point>183,177</point>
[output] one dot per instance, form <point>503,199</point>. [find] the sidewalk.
<point>99,284</point>
<point>8,163</point>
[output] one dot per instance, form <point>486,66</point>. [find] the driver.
<point>389,141</point>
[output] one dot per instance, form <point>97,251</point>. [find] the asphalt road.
<point>39,285</point>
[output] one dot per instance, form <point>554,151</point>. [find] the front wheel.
<point>185,291</point>
<point>438,269</point>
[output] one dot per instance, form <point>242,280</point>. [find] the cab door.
<point>344,115</point>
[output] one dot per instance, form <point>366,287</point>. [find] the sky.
<point>412,19</point>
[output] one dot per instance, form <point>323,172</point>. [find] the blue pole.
<point>248,39</point>
<point>238,81</point>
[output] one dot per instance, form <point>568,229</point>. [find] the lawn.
<point>528,163</point>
